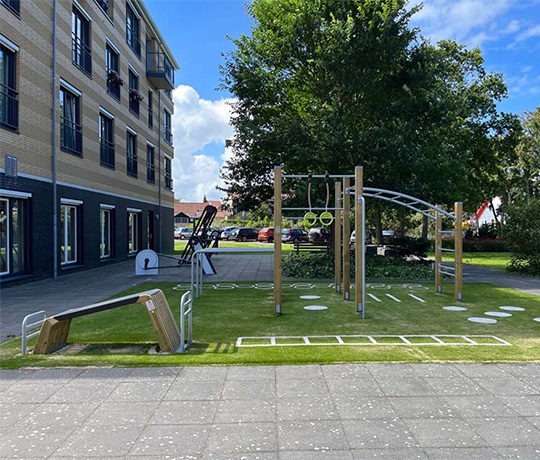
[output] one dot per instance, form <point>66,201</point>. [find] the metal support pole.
<point>438,252</point>
<point>277,240</point>
<point>458,244</point>
<point>358,241</point>
<point>337,240</point>
<point>346,239</point>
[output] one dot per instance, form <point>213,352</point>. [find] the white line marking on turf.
<point>417,298</point>
<point>375,298</point>
<point>393,298</point>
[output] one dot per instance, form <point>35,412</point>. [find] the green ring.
<point>310,219</point>
<point>326,218</point>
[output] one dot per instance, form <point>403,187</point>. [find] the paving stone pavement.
<point>336,412</point>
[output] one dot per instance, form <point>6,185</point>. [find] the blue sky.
<point>508,32</point>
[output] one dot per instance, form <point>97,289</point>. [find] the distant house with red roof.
<point>186,212</point>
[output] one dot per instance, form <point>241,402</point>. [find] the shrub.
<point>522,233</point>
<point>478,245</point>
<point>406,246</point>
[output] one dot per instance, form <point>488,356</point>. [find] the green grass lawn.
<point>497,260</point>
<point>122,337</point>
<point>179,245</point>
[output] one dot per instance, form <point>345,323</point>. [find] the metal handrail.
<point>186,301</point>
<point>150,172</point>
<point>133,40</point>
<point>107,152</point>
<point>72,127</point>
<point>158,62</point>
<point>81,53</point>
<point>8,99</point>
<point>26,327</point>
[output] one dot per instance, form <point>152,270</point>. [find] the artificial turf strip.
<point>220,317</point>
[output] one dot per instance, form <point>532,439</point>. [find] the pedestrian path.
<point>345,412</point>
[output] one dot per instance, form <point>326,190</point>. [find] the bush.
<point>405,247</point>
<point>522,233</point>
<point>321,266</point>
<point>478,245</point>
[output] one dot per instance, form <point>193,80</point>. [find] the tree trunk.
<point>425,227</point>
<point>378,226</point>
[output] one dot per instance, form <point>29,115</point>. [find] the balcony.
<point>107,153</point>
<point>167,135</point>
<point>9,108</point>
<point>71,137</point>
<point>132,167</point>
<point>168,181</point>
<point>159,70</point>
<point>150,173</point>
<point>81,54</point>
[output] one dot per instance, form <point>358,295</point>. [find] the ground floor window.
<point>68,234</point>
<point>13,235</point>
<point>105,225</point>
<point>133,231</point>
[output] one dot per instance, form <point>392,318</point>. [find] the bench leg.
<point>53,336</point>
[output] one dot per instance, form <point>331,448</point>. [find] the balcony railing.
<point>168,182</point>
<point>104,4</point>
<point>107,153</point>
<point>167,135</point>
<point>113,86</point>
<point>13,5</point>
<point>71,136</point>
<point>150,173</point>
<point>159,70</point>
<point>81,54</point>
<point>133,40</point>
<point>132,167</point>
<point>9,108</point>
<point>150,118</point>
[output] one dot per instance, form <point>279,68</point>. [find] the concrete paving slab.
<point>507,385</point>
<point>345,371</point>
<point>456,387</point>
<point>525,405</point>
<point>340,388</point>
<point>125,413</point>
<point>238,438</point>
<point>139,391</point>
<point>201,390</point>
<point>405,386</point>
<point>314,455</point>
<point>184,413</point>
<point>81,392</point>
<point>311,435</point>
<point>506,432</point>
<point>422,407</point>
<point>479,406</point>
<point>389,454</point>
<point>314,388</point>
<point>40,442</point>
<point>378,434</point>
<point>249,389</point>
<point>28,393</point>
<point>364,407</point>
<point>57,416</point>
<point>519,453</point>
<point>445,432</point>
<point>467,453</point>
<point>252,373</point>
<point>298,372</point>
<point>192,374</point>
<point>246,411</point>
<point>306,409</point>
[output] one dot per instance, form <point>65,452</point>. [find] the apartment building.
<point>86,142</point>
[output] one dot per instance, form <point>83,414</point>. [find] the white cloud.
<point>531,32</point>
<point>473,22</point>
<point>197,123</point>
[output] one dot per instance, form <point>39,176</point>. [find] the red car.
<point>266,234</point>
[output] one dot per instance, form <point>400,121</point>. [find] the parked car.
<point>353,237</point>
<point>226,232</point>
<point>388,233</point>
<point>244,234</point>
<point>183,233</point>
<point>319,235</point>
<point>292,235</point>
<point>266,234</point>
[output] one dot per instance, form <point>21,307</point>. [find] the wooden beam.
<point>277,240</point>
<point>346,239</point>
<point>358,246</point>
<point>337,238</point>
<point>438,252</point>
<point>458,247</point>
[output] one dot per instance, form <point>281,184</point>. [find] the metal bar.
<point>446,231</point>
<point>458,245</point>
<point>346,241</point>
<point>447,267</point>
<point>438,254</point>
<point>318,176</point>
<point>26,327</point>
<point>391,200</point>
<point>447,273</point>
<point>277,239</point>
<point>337,239</point>
<point>313,209</point>
<point>446,250</point>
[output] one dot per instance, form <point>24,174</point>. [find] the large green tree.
<point>325,85</point>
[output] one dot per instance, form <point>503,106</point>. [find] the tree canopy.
<point>323,86</point>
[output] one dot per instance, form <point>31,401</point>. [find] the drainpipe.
<point>159,166</point>
<point>55,191</point>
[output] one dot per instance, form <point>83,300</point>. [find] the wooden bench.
<point>304,246</point>
<point>55,329</point>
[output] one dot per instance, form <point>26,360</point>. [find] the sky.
<point>507,31</point>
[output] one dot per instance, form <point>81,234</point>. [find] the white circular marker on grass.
<point>499,314</point>
<point>510,308</point>
<point>310,297</point>
<point>303,286</point>
<point>473,319</point>
<point>315,307</point>
<point>453,308</point>
<point>537,320</point>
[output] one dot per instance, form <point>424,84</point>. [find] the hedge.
<point>479,245</point>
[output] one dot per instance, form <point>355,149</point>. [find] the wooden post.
<point>358,246</point>
<point>438,252</point>
<point>277,240</point>
<point>337,235</point>
<point>458,247</point>
<point>346,239</point>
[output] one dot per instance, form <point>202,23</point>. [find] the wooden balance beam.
<point>55,329</point>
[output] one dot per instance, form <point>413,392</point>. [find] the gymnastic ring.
<point>326,218</point>
<point>310,219</point>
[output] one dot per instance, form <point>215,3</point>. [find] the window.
<point>133,231</point>
<point>167,91</point>
<point>13,235</point>
<point>70,122</point>
<point>9,103</point>
<point>68,234</point>
<point>167,131</point>
<point>150,164</point>
<point>131,150</point>
<point>81,54</point>
<point>106,140</point>
<point>168,173</point>
<point>150,109</point>
<point>112,63</point>
<point>105,226</point>
<point>135,97</point>
<point>13,5</point>
<point>132,31</point>
<point>106,6</point>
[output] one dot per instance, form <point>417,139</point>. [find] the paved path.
<point>340,412</point>
<point>478,274</point>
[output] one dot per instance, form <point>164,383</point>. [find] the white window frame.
<point>67,204</point>
<point>134,230</point>
<point>102,254</point>
<point>8,214</point>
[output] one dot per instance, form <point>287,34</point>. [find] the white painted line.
<point>340,340</point>
<point>408,342</point>
<point>417,298</point>
<point>238,342</point>
<point>393,298</point>
<point>272,340</point>
<point>375,298</point>
<point>372,340</point>
<point>306,341</point>
<point>437,339</point>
